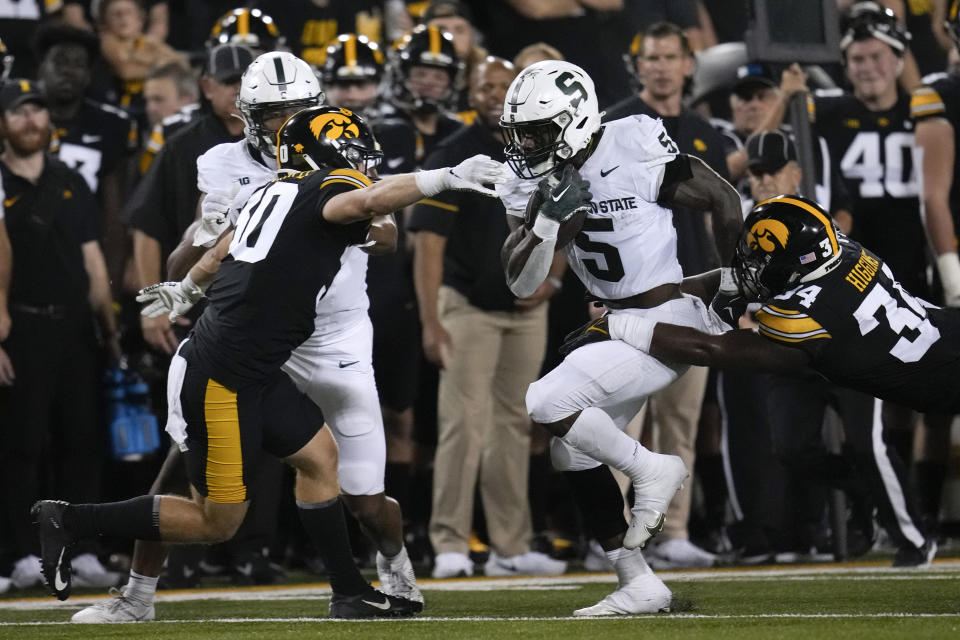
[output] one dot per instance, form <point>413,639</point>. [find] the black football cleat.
<point>909,556</point>
<point>54,542</point>
<point>372,604</point>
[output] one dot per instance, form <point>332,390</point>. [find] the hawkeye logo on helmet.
<point>767,235</point>
<point>334,125</point>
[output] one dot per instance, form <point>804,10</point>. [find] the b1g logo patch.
<point>768,235</point>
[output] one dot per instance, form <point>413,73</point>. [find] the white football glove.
<point>469,175</point>
<point>214,216</point>
<point>172,298</point>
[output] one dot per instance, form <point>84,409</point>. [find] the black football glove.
<point>594,331</point>
<point>729,306</point>
<point>570,195</point>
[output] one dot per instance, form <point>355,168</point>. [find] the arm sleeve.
<point>928,102</point>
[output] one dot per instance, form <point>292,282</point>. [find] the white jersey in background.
<point>628,243</point>
<point>217,169</point>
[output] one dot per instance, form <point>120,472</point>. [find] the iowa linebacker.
<point>229,397</point>
<point>832,305</point>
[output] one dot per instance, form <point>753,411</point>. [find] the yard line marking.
<point>669,616</point>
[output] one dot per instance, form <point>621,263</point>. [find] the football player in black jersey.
<point>229,397</point>
<point>834,306</point>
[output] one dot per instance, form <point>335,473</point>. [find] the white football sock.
<point>629,564</point>
<point>142,588</point>
<point>595,434</point>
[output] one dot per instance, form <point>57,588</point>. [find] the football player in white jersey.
<point>625,175</point>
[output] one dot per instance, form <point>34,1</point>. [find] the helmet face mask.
<point>550,114</point>
<point>425,46</point>
<point>328,137</point>
<point>536,148</point>
<point>870,20</point>
<point>786,241</point>
<point>275,86</point>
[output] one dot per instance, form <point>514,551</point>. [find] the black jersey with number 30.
<point>864,331</point>
<point>282,259</point>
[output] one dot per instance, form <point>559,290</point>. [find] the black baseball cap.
<point>18,91</point>
<point>770,150</point>
<point>752,75</point>
<point>228,62</point>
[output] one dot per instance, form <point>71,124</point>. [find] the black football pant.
<point>868,470</point>
<point>52,437</point>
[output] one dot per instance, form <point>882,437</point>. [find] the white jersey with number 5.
<point>628,243</point>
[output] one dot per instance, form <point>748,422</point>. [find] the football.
<point>568,228</point>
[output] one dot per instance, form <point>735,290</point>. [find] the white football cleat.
<point>26,572</point>
<point>119,608</point>
<point>651,497</point>
<point>531,563</point>
<point>397,577</point>
<point>678,553</point>
<point>88,572</point>
<point>643,594</point>
<point>451,564</point>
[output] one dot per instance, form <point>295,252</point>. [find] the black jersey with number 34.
<point>282,259</point>
<point>864,331</point>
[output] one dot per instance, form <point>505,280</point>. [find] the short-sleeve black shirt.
<point>48,223</point>
<point>164,204</point>
<point>96,141</point>
<point>475,226</point>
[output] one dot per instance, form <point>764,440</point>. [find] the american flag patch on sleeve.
<point>808,257</point>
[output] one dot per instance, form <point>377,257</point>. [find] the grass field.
<point>860,600</point>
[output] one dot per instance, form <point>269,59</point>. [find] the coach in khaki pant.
<point>489,345</point>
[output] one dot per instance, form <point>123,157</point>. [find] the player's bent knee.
<point>365,508</point>
<point>541,404</point>
<point>360,478</point>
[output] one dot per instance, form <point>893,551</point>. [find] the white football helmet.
<point>275,84</point>
<point>550,114</point>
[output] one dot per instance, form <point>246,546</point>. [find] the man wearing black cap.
<point>165,202</point>
<point>58,288</point>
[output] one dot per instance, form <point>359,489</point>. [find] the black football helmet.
<point>425,46</point>
<point>6,59</point>
<point>352,58</point>
<point>328,137</point>
<point>952,23</point>
<point>250,27</point>
<point>786,240</point>
<point>870,20</point>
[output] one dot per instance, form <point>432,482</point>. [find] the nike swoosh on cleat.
<point>557,197</point>
<point>379,605</point>
<point>58,582</point>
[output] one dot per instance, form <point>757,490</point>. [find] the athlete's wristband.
<point>948,266</point>
<point>546,228</point>
<point>432,181</point>
<point>636,331</point>
<point>728,284</point>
